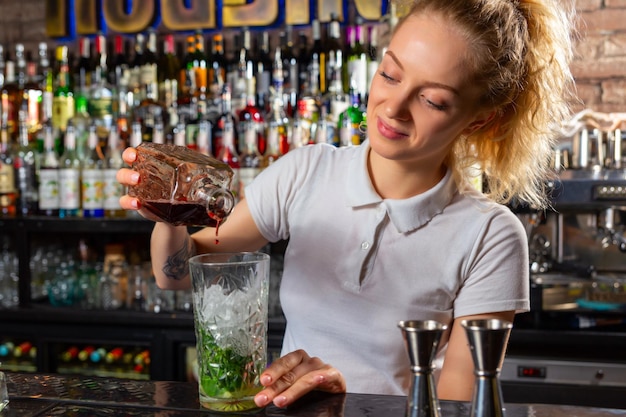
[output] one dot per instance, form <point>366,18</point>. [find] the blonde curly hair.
<point>520,51</point>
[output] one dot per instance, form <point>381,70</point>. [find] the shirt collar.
<point>407,214</point>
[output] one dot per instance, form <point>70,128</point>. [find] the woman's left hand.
<point>294,375</point>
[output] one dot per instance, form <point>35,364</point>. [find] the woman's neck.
<point>402,179</point>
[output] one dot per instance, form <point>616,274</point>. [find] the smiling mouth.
<point>387,131</point>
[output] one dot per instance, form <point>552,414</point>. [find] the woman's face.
<point>420,99</point>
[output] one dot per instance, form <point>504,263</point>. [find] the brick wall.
<point>599,69</point>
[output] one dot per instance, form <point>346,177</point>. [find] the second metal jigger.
<point>487,340</point>
<point>422,340</point>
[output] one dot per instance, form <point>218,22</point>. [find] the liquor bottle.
<point>334,52</point>
<point>316,67</point>
<point>335,100</point>
<point>168,74</point>
<point>179,136</point>
<point>113,190</point>
<point>8,193</point>
<point>290,71</point>
<point>83,69</point>
<point>2,67</point>
<point>325,131</point>
<point>372,59</point>
<point>217,68</point>
<point>186,67</point>
<point>304,62</point>
<point>244,71</point>
<point>263,72</point>
<point>149,108</point>
<point>136,136</point>
<point>25,163</point>
<point>200,66</point>
<point>139,56</point>
<point>251,126</point>
<point>225,124</point>
<point>250,122</point>
<point>119,74</point>
<point>32,100</point>
<point>47,82</point>
<point>158,134</point>
<point>69,176</point>
<point>203,137</point>
<point>48,174</point>
<point>100,104</point>
<point>350,121</point>
<point>358,60</point>
<point>11,94</point>
<point>277,131</point>
<point>148,66</point>
<point>63,101</point>
<point>92,178</point>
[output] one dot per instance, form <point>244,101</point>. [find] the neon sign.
<point>69,18</point>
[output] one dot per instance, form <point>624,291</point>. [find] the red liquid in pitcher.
<point>183,213</point>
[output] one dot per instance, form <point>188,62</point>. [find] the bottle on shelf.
<point>46,82</point>
<point>83,69</point>
<point>357,61</point>
<point>81,122</point>
<point>224,128</point>
<point>113,190</point>
<point>49,174</point>
<point>303,62</point>
<point>69,176</point>
<point>8,194</point>
<point>25,163</point>
<point>92,178</point>
<point>12,91</point>
<point>263,72</point>
<point>203,137</point>
<point>217,69</point>
<point>101,97</point>
<point>168,74</point>
<point>251,126</point>
<point>350,121</point>
<point>317,65</point>
<point>32,101</point>
<point>290,71</point>
<point>277,120</point>
<point>333,52</point>
<point>63,107</point>
<point>225,136</point>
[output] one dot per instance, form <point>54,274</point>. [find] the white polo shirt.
<point>356,264</point>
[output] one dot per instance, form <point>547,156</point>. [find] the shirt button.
<point>365,246</point>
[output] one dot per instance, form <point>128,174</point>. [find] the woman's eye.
<point>386,76</point>
<point>440,107</point>
<point>436,106</point>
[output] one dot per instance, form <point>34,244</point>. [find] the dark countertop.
<point>63,395</point>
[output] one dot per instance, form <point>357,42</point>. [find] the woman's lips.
<point>388,131</point>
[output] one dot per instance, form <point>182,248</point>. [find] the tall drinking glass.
<point>230,300</point>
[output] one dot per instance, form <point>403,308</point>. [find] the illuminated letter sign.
<point>68,18</point>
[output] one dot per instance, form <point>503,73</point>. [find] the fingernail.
<point>280,401</point>
<point>134,203</point>
<point>266,380</point>
<point>319,379</point>
<point>134,177</point>
<point>261,400</point>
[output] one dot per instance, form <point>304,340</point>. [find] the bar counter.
<point>65,395</point>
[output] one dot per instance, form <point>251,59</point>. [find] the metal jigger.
<point>422,339</point>
<point>487,340</point>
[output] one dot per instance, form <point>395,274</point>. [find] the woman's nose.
<point>397,106</point>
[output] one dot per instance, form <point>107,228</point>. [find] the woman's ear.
<point>479,121</point>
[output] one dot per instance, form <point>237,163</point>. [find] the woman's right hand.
<point>128,177</point>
